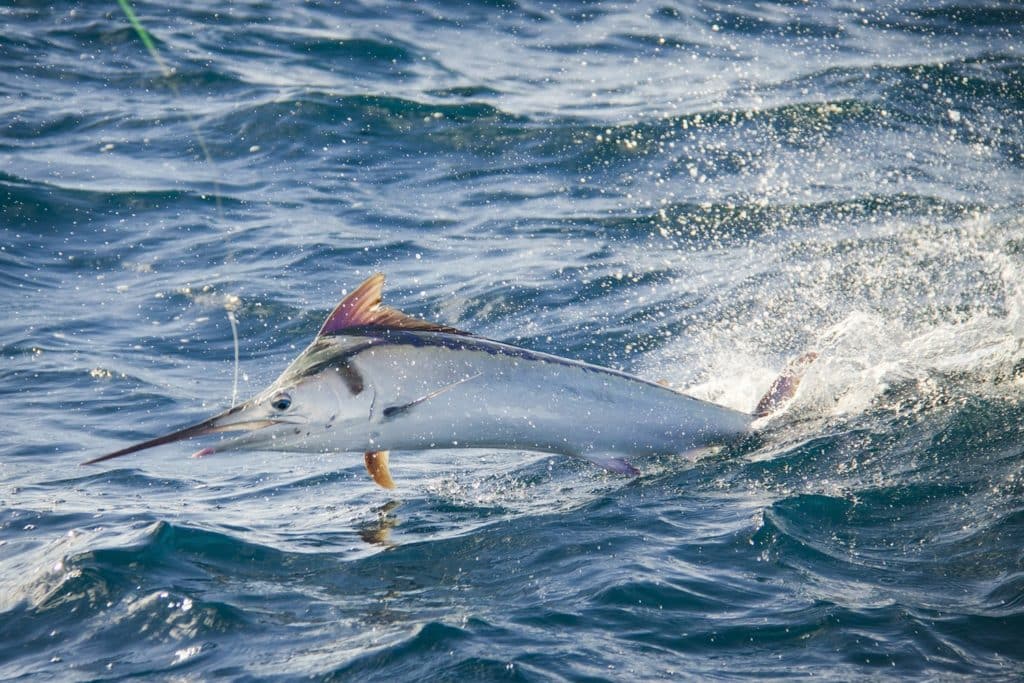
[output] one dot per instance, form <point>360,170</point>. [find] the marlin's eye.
<point>281,402</point>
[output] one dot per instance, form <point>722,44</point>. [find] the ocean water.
<point>697,192</point>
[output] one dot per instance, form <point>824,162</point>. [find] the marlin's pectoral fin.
<point>394,411</point>
<point>612,464</point>
<point>377,466</point>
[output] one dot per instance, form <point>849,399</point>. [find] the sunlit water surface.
<point>692,192</point>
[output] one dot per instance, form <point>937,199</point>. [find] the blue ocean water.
<point>696,192</point>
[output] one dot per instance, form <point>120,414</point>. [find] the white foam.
<point>911,307</point>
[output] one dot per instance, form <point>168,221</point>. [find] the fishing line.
<point>168,74</point>
<point>234,336</point>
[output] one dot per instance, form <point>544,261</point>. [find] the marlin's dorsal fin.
<point>362,308</point>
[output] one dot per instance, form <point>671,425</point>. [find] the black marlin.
<point>375,380</point>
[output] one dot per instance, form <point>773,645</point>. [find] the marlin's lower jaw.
<point>255,440</point>
<point>271,435</point>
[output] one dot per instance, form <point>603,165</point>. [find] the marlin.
<point>376,380</point>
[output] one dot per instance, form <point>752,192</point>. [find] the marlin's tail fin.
<point>785,385</point>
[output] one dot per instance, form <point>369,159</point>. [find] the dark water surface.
<point>694,192</point>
